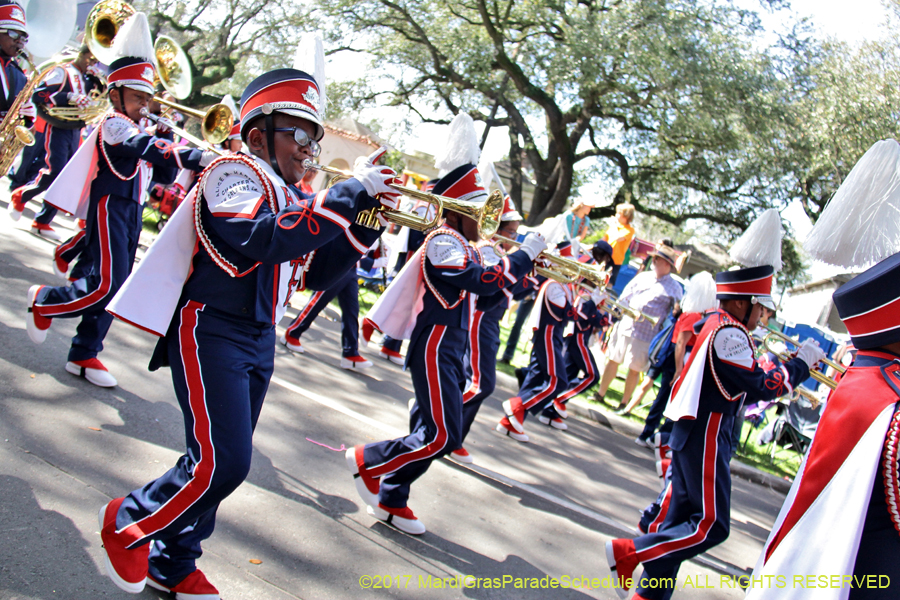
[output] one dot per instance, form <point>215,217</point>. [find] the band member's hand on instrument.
<point>79,100</point>
<point>810,353</point>
<point>533,245</point>
<point>597,297</point>
<point>376,179</point>
<point>379,263</point>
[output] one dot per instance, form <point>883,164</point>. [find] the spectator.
<point>653,293</point>
<point>578,223</point>
<point>619,236</point>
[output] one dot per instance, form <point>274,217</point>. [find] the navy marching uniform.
<point>451,271</point>
<point>13,80</point>
<point>65,86</point>
<point>719,374</point>
<point>113,225</point>
<point>258,242</point>
<point>579,358</point>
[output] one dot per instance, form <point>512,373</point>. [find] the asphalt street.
<point>296,528</point>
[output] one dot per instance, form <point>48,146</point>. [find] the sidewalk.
<point>580,408</point>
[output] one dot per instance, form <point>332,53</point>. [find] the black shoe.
<point>520,375</point>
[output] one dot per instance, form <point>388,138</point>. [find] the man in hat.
<point>450,271</point>
<point>68,85</point>
<point>13,36</point>
<point>719,374</point>
<point>844,501</point>
<point>256,242</point>
<point>654,293</point>
<point>484,328</point>
<point>122,153</point>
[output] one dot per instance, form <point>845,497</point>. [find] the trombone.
<point>785,356</point>
<point>487,215</point>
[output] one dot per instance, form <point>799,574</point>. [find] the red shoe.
<point>622,558</point>
<point>506,428</point>
<point>461,455</point>
<point>60,267</point>
<point>355,362</point>
<point>127,568</point>
<point>292,344</point>
<point>44,230</point>
<point>35,325</point>
<point>662,467</point>
<point>560,409</point>
<point>366,331</point>
<point>366,486</point>
<point>401,518</point>
<point>16,206</point>
<point>93,370</point>
<point>516,413</point>
<point>193,587</point>
<point>391,355</point>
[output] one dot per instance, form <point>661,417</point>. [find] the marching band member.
<point>545,375</point>
<point>719,374</point>
<point>67,85</point>
<point>13,36</point>
<point>844,501</point>
<point>221,275</point>
<point>484,329</point>
<point>588,318</point>
<point>110,171</point>
<point>429,303</point>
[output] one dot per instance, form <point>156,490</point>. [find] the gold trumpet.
<point>632,313</point>
<point>203,145</point>
<point>487,215</point>
<point>785,356</point>
<point>215,122</point>
<point>569,267</point>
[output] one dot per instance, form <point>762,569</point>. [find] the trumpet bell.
<point>102,26</point>
<point>489,215</point>
<point>173,66</point>
<point>217,124</point>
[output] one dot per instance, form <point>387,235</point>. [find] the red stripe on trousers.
<point>102,290</point>
<point>710,452</point>
<point>194,489</point>
<point>306,310</point>
<point>474,331</point>
<point>663,510</point>
<point>588,376</point>
<point>551,368</point>
<point>68,245</point>
<point>435,400</point>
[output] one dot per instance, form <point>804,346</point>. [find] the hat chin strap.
<point>746,320</point>
<point>270,143</point>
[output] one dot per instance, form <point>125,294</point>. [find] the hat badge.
<point>147,74</point>
<point>311,95</point>
<point>17,14</point>
<point>478,181</point>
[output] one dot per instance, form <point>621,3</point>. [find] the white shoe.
<point>48,233</point>
<point>412,526</point>
<point>554,423</point>
<point>14,214</point>
<point>368,497</point>
<point>411,403</point>
<point>36,334</point>
<point>92,370</point>
<point>642,442</point>
<point>519,437</point>
<point>355,362</point>
<point>292,346</point>
<point>64,275</point>
<point>560,409</point>
<point>518,425</point>
<point>394,357</point>
<point>462,456</point>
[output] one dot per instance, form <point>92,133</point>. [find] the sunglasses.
<point>16,35</point>
<point>302,138</point>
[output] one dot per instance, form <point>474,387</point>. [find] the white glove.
<point>810,353</point>
<point>79,100</point>
<point>597,297</point>
<point>533,245</point>
<point>379,263</point>
<point>207,157</point>
<point>376,179</point>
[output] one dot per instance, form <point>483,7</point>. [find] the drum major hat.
<point>12,16</point>
<point>869,305</point>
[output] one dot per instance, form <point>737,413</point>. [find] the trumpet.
<point>632,313</point>
<point>487,215</point>
<point>784,356</point>
<point>571,268</point>
<point>188,136</point>
<point>215,122</point>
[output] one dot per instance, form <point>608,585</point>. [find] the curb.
<point>626,427</point>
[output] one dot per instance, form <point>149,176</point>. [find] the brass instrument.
<point>569,267</point>
<point>173,67</point>
<point>186,135</point>
<point>785,356</point>
<point>13,134</point>
<point>75,116</point>
<point>487,215</point>
<point>632,313</point>
<point>215,123</point>
<point>102,25</point>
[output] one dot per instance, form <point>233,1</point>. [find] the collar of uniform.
<point>269,170</point>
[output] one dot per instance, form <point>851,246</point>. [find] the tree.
<point>670,97</point>
<point>229,42</point>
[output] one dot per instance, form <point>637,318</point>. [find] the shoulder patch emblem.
<point>446,251</point>
<point>116,130</point>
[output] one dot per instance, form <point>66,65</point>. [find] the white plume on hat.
<point>134,39</point>
<point>228,101</point>
<point>461,147</point>
<point>310,58</point>
<point>699,293</point>
<point>760,244</point>
<point>861,223</point>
